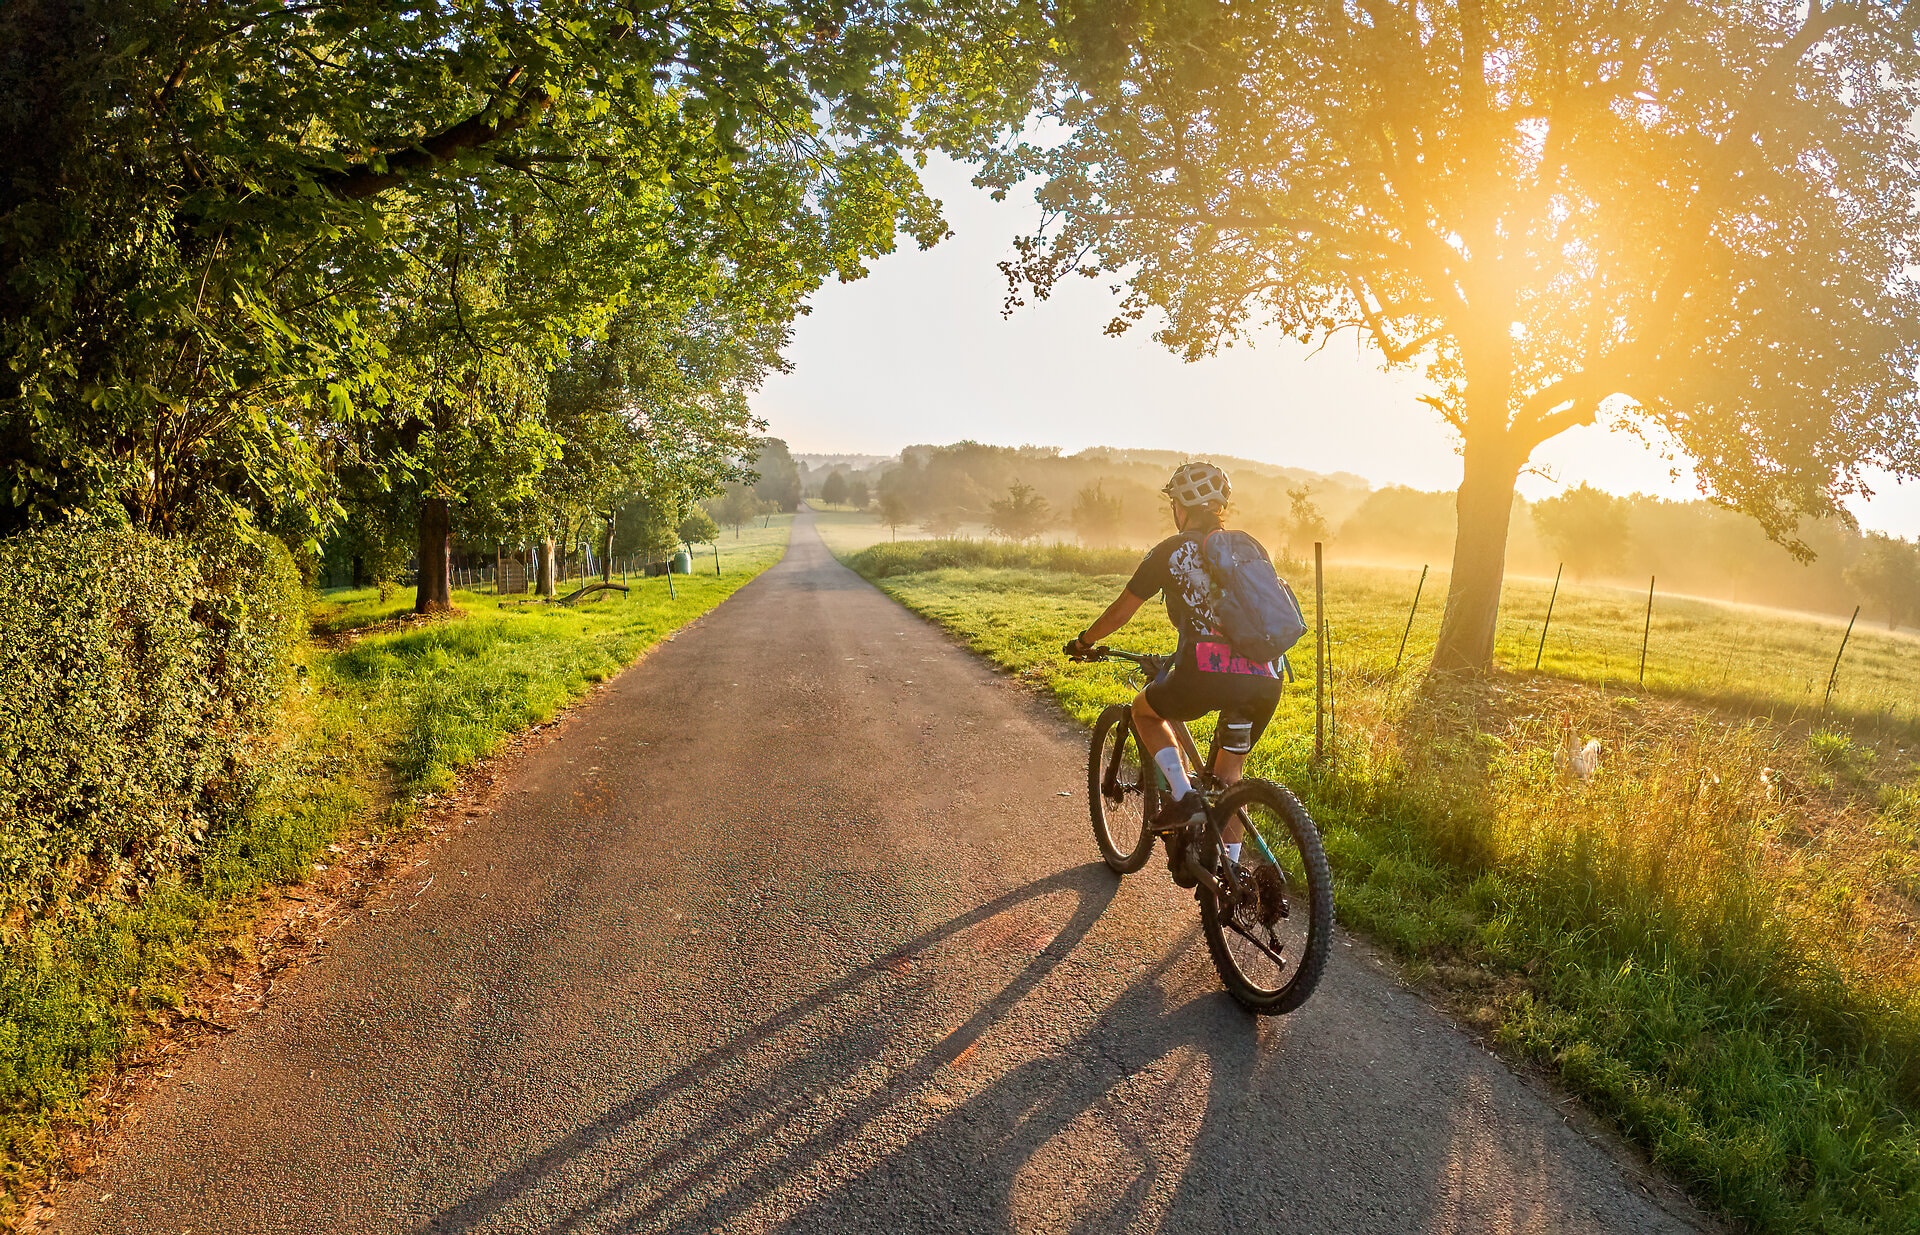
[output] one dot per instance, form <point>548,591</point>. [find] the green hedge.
<point>906,557</point>
<point>140,679</point>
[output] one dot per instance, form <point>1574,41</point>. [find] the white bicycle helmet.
<point>1198,484</point>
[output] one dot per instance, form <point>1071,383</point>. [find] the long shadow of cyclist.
<point>765,1120</point>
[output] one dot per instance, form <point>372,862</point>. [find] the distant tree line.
<point>1107,498</point>
<point>1100,496</point>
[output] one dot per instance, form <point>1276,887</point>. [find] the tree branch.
<point>1396,353</point>
<point>476,132</point>
<point>1571,401</point>
<point>1243,222</point>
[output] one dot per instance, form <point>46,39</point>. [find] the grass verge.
<point>388,713</point>
<point>1712,941</point>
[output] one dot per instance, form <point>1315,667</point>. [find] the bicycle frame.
<point>1233,894</point>
<point>1209,785</point>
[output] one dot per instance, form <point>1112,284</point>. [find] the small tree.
<point>941,523</point>
<point>698,528</point>
<point>894,511</point>
<point>857,495</point>
<point>1888,575</point>
<point>1587,527</point>
<point>658,538</point>
<point>778,483</point>
<point>1305,523</point>
<point>834,490</point>
<point>738,505</point>
<point>1021,515</point>
<point>1096,514</point>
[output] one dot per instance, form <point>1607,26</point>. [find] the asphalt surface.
<point>800,927</point>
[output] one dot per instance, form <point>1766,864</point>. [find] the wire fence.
<point>1381,626</point>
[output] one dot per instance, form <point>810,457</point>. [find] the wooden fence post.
<point>1417,588</point>
<point>1319,655</point>
<point>1539,651</point>
<point>1645,631</point>
<point>1835,675</point>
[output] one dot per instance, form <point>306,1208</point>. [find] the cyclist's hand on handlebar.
<point>1078,650</point>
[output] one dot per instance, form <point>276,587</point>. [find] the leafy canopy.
<point>1693,218</point>
<point>204,207</point>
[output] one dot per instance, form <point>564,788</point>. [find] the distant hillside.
<point>1109,496</point>
<point>1167,460</point>
<point>854,463</point>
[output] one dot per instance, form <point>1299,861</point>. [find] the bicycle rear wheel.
<point>1271,950</point>
<point>1119,792</point>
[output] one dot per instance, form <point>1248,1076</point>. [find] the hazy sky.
<point>919,352</point>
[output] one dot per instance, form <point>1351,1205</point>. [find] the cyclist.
<point>1206,675</point>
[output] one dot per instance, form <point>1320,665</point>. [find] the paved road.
<point>798,928</point>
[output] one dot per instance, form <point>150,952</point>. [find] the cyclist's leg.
<point>1240,725</point>
<point>1172,698</point>
<point>1155,733</point>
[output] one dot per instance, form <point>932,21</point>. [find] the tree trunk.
<point>548,579</point>
<point>434,592</point>
<point>1479,554</point>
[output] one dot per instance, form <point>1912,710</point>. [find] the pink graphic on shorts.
<point>1219,658</point>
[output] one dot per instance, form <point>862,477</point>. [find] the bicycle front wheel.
<point>1119,792</point>
<point>1271,950</point>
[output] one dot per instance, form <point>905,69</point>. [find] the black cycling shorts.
<point>1188,694</point>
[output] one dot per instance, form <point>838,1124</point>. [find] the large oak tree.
<point>1689,217</point>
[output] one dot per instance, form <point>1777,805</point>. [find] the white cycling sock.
<point>1233,851</point>
<point>1174,771</point>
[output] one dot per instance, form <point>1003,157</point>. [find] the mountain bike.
<point>1268,918</point>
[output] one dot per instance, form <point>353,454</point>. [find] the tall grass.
<point>886,560</point>
<point>1708,940</point>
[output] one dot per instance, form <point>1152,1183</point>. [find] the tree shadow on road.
<point>1164,1107</point>
<point>752,1129</point>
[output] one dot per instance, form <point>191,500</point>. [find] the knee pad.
<point>1236,736</point>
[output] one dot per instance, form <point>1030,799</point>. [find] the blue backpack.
<point>1257,611</point>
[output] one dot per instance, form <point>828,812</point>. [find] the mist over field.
<point>1105,497</point>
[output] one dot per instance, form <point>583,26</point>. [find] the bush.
<point>907,557</point>
<point>140,679</point>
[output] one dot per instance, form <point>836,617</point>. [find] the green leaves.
<point>1697,219</point>
<point>245,205</point>
<point>122,650</point>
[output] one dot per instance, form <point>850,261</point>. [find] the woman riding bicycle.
<point>1206,675</point>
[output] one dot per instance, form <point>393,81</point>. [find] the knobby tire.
<point>1119,828</point>
<point>1306,968</point>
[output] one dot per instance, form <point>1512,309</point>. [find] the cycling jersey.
<point>1206,676</point>
<point>1175,566</point>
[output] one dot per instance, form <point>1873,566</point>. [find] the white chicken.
<point>1577,761</point>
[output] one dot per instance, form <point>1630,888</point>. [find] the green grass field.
<point>389,712</point>
<point>849,531</point>
<point>1712,941</point>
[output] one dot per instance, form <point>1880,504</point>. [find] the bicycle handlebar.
<point>1100,652</point>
